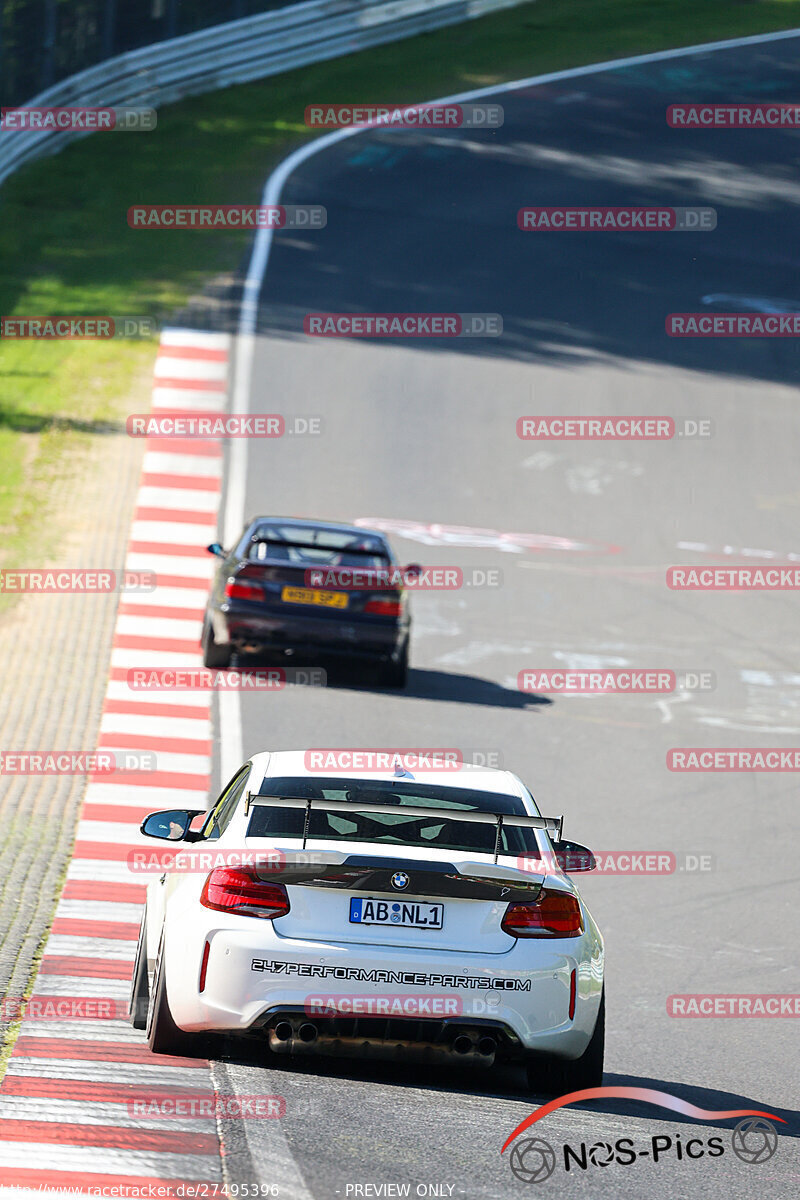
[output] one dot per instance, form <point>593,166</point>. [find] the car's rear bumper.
<point>252,973</point>
<point>253,631</point>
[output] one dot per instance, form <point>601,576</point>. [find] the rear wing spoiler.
<point>552,825</point>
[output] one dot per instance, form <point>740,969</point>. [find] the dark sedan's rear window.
<point>305,547</point>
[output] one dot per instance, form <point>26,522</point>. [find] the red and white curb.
<point>65,1115</point>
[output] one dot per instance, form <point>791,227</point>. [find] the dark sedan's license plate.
<point>405,913</point>
<point>296,595</point>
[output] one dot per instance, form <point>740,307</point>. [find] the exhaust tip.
<point>307,1032</point>
<point>487,1046</point>
<point>283,1031</point>
<point>462,1044</point>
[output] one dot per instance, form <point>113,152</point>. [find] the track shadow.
<point>442,686</point>
<point>466,689</point>
<point>427,223</point>
<point>422,684</point>
<point>508,1083</point>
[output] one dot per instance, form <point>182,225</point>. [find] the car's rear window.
<point>392,827</point>
<point>303,547</point>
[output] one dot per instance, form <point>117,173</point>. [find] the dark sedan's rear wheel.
<point>556,1077</point>
<point>395,674</point>
<point>214,655</point>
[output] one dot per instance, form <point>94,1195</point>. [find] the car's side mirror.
<point>573,857</point>
<point>215,548</point>
<point>413,569</point>
<point>171,825</point>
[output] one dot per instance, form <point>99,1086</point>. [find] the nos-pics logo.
<point>533,1159</point>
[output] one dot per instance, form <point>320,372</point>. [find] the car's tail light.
<point>553,914</point>
<point>243,591</point>
<point>384,608</point>
<point>234,889</point>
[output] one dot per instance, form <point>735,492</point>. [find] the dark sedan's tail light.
<point>243,591</point>
<point>240,891</point>
<point>553,914</point>
<point>384,608</point>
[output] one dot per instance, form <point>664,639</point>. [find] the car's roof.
<point>308,523</point>
<point>278,763</point>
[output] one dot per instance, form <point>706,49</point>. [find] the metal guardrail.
<point>237,52</point>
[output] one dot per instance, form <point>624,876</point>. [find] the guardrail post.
<point>109,28</point>
<point>172,18</point>
<point>49,43</point>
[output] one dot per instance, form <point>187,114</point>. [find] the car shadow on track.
<point>445,686</point>
<point>712,1099</point>
<point>508,1083</point>
<point>422,684</point>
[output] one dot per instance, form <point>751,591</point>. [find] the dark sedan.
<point>292,586</point>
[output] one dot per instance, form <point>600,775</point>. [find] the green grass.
<point>66,248</point>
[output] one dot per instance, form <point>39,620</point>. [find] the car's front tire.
<point>560,1077</point>
<point>163,1035</point>
<point>214,656</point>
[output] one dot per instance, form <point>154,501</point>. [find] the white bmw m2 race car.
<point>416,915</point>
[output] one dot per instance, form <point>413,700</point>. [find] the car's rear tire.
<point>560,1077</point>
<point>140,984</point>
<point>395,674</point>
<point>163,1035</point>
<point>214,655</point>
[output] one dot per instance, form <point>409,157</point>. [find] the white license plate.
<point>406,914</point>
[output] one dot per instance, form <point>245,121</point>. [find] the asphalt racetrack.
<point>424,432</point>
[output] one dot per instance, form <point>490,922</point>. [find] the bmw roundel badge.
<point>400,881</point>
